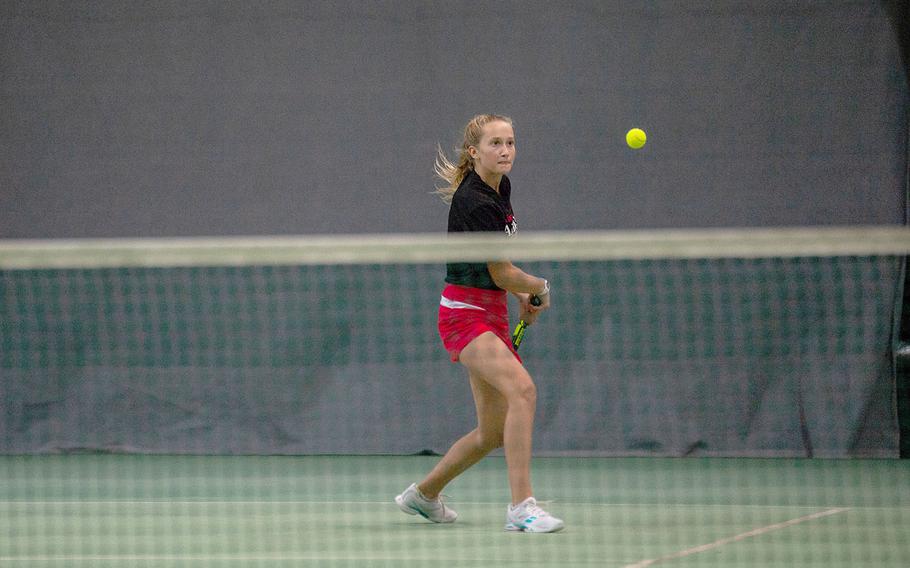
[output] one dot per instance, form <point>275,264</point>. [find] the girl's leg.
<point>491,413</point>
<point>488,359</point>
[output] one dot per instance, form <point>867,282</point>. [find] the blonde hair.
<point>454,173</point>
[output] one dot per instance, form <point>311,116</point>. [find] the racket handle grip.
<point>519,334</point>
<point>535,300</point>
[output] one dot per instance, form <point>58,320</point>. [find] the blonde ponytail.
<point>453,173</point>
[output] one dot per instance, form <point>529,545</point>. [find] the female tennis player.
<point>474,326</point>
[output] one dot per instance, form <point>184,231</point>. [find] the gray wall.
<point>210,117</point>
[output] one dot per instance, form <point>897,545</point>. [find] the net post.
<point>902,366</point>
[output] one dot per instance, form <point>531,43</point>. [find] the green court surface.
<point>162,511</point>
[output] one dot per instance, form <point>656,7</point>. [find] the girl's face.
<point>495,152</point>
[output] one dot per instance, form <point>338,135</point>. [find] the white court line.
<point>743,536</point>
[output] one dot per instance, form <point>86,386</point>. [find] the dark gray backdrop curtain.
<point>209,117</point>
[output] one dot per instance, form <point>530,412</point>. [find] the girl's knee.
<point>528,391</point>
<point>523,390</point>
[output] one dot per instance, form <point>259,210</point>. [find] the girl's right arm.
<point>509,277</point>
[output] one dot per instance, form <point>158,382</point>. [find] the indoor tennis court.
<point>224,265</point>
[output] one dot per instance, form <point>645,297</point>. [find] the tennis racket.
<point>522,326</point>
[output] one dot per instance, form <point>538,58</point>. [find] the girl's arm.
<point>509,277</point>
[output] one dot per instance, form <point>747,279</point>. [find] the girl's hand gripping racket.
<point>522,326</point>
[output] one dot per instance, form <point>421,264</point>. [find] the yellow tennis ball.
<point>636,138</point>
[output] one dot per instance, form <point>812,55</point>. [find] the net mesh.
<point>738,351</point>
<point>299,315</point>
<point>150,364</point>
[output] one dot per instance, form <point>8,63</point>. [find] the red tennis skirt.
<point>465,313</point>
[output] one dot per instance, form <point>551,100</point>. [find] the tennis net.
<point>703,342</point>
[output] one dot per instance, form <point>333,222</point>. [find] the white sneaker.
<point>413,502</point>
<point>528,517</point>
